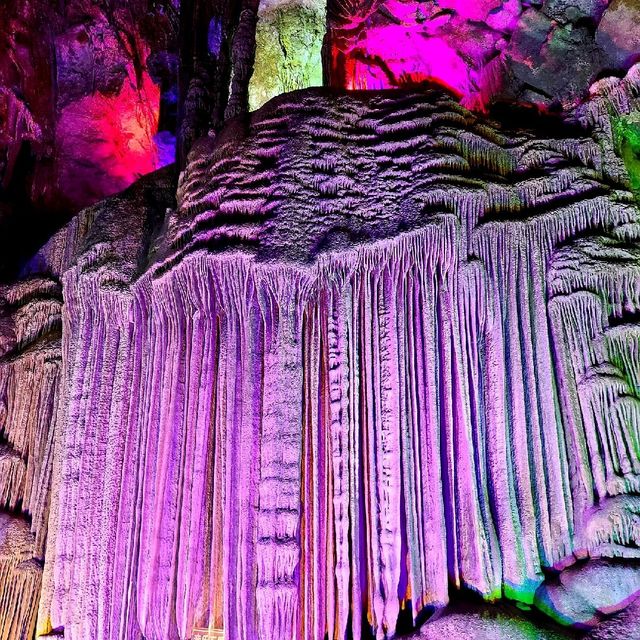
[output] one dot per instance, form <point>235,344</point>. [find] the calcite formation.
<point>363,364</point>
<point>289,39</point>
<point>348,372</point>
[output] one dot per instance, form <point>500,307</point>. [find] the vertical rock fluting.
<point>329,389</point>
<point>31,365</point>
<point>30,377</point>
<point>29,360</point>
<point>20,579</point>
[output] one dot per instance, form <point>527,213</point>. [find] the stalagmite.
<point>289,39</point>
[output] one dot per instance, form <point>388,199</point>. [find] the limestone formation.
<point>336,379</point>
<point>363,364</point>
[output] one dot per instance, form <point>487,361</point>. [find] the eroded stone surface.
<point>380,349</point>
<point>297,288</point>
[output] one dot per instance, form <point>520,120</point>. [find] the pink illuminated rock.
<point>85,86</point>
<point>396,43</point>
<point>106,142</point>
<point>543,53</point>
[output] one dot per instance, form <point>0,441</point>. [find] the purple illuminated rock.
<point>585,594</point>
<point>379,353</point>
<point>372,354</point>
<point>619,31</point>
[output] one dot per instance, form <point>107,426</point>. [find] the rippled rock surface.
<point>379,355</point>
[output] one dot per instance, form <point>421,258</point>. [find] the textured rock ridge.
<point>380,350</point>
<point>20,579</point>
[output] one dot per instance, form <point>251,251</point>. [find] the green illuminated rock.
<point>289,40</point>
<point>627,139</point>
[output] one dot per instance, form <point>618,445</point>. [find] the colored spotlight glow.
<point>400,43</point>
<point>107,142</point>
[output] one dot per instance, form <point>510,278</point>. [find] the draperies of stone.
<point>317,411</point>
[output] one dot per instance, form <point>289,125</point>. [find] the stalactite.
<point>20,578</point>
<point>333,382</point>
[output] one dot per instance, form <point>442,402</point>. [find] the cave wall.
<point>87,105</point>
<point>546,53</point>
<point>370,352</point>
<point>356,418</point>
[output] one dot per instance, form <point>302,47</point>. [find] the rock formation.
<point>365,364</point>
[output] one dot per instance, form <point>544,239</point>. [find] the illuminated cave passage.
<point>347,345</point>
